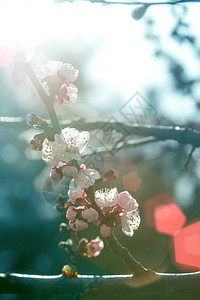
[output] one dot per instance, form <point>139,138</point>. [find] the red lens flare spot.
<point>152,203</point>
<point>168,218</point>
<point>132,182</point>
<point>187,246</point>
<point>7,54</point>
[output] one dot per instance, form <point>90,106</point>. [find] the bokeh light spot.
<point>152,203</point>
<point>168,218</point>
<point>132,182</point>
<point>187,246</point>
<point>9,153</point>
<point>192,244</point>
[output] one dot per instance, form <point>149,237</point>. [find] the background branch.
<point>180,134</point>
<point>138,2</point>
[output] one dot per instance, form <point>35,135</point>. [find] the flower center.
<point>71,145</point>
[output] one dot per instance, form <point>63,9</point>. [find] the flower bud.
<point>90,214</point>
<point>71,213</point>
<point>97,222</point>
<point>110,175</point>
<point>61,245</point>
<point>82,246</point>
<point>106,230</point>
<point>81,225</point>
<point>69,171</point>
<point>94,247</point>
<point>36,142</point>
<point>33,120</point>
<point>56,174</point>
<point>139,12</point>
<point>69,271</point>
<point>63,228</point>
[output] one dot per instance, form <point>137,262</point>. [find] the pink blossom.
<point>106,230</point>
<point>73,195</point>
<point>67,94</point>
<point>57,77</point>
<point>90,214</point>
<point>126,201</point>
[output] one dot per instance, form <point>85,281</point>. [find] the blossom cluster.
<point>57,77</point>
<point>63,151</point>
<point>114,207</point>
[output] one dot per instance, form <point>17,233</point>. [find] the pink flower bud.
<point>90,214</point>
<point>105,230</point>
<point>80,225</point>
<point>71,213</point>
<point>94,247</point>
<point>83,167</point>
<point>33,120</point>
<point>110,175</point>
<point>56,174</point>
<point>97,222</point>
<point>36,142</point>
<point>72,225</point>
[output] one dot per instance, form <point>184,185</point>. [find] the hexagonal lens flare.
<point>168,218</point>
<point>187,246</point>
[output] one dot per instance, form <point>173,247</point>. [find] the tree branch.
<point>140,3</point>
<point>174,285</point>
<point>121,251</point>
<point>180,134</point>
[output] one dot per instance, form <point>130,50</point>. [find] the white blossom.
<point>84,179</point>
<point>130,222</point>
<point>107,198</point>
<point>70,144</point>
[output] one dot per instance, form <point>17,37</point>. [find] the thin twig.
<point>121,251</point>
<point>139,3</point>
<point>184,168</point>
<point>47,100</point>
